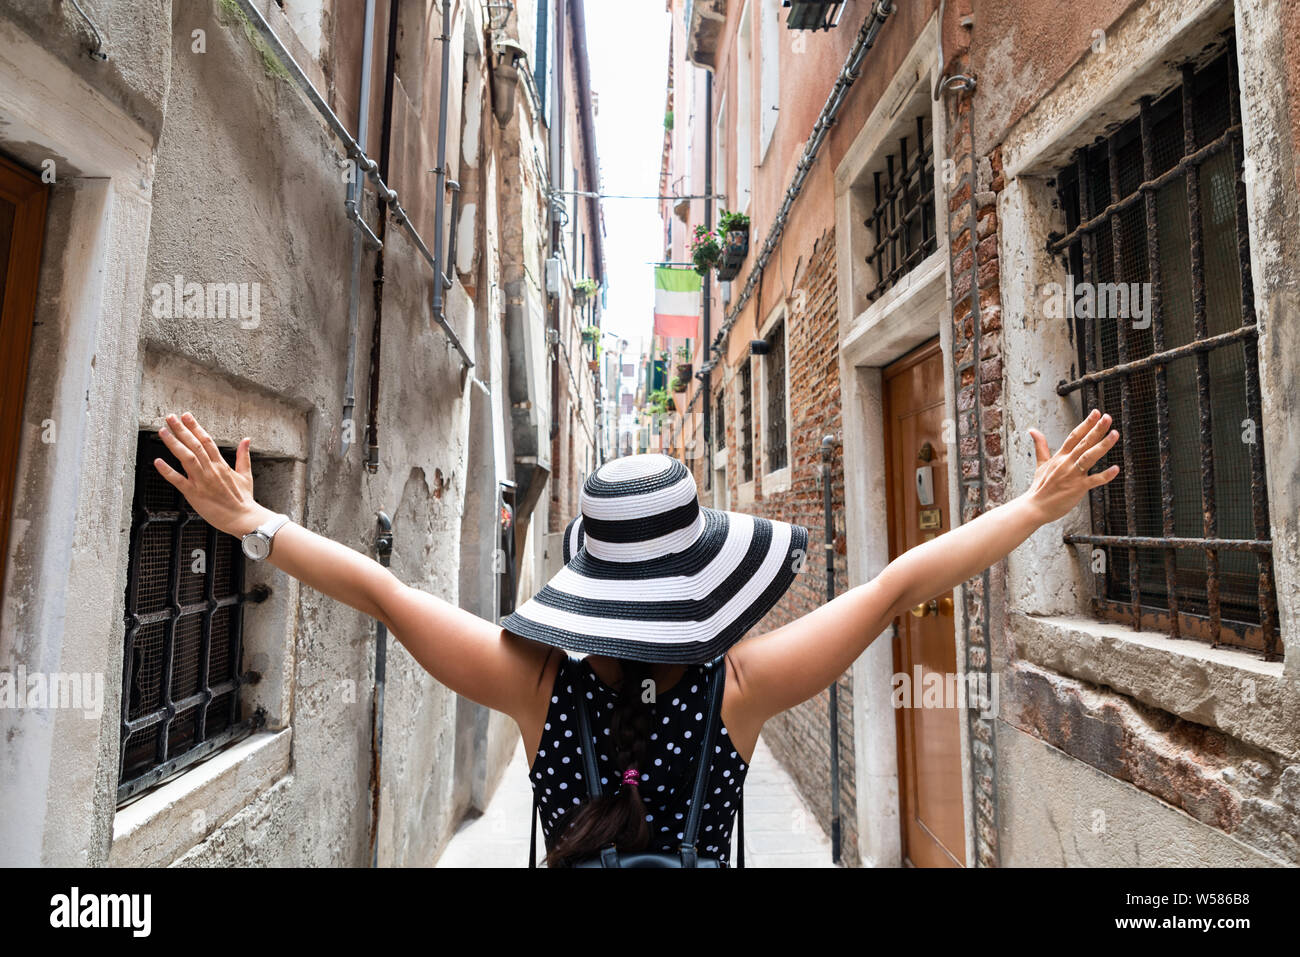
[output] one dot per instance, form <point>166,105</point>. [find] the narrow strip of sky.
<point>627,43</point>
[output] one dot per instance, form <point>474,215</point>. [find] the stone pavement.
<point>779,829</point>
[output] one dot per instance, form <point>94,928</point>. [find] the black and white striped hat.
<point>651,575</point>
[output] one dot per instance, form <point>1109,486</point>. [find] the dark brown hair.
<point>617,816</point>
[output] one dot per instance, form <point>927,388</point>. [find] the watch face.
<point>256,546</point>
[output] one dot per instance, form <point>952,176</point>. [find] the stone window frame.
<point>158,826</point>
<point>1049,584</point>
<point>872,335</point>
<point>745,490</point>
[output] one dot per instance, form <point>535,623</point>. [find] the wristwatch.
<point>257,543</point>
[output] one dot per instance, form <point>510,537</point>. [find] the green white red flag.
<point>677,302</point>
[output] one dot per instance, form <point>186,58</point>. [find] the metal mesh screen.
<point>720,421</point>
<point>745,423</point>
<point>1156,236</point>
<point>775,452</point>
<point>184,604</point>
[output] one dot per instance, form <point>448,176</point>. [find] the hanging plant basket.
<point>593,365</point>
<point>683,372</point>
<point>704,250</point>
<point>734,251</point>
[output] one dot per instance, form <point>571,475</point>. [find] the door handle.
<point>935,606</point>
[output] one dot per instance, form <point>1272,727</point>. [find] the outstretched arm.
<point>466,653</point>
<point>791,664</point>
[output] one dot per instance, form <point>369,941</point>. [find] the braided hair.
<point>618,815</point>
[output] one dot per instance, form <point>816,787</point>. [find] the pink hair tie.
<point>630,777</point>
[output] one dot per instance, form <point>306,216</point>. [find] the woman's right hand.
<point>222,496</point>
<point>1062,479</point>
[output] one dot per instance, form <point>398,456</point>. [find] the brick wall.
<point>800,737</point>
<point>977,358</point>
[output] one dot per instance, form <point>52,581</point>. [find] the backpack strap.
<point>532,837</point>
<point>740,831</point>
<point>717,678</point>
<point>608,853</point>
<point>717,670</point>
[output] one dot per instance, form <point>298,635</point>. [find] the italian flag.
<point>677,301</point>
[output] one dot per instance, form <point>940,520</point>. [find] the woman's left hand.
<point>222,496</point>
<point>1062,479</point>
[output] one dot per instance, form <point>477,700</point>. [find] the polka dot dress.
<point>677,724</point>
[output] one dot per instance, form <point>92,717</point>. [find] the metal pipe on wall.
<point>385,150</point>
<point>441,282</point>
<point>828,454</point>
<point>354,152</point>
<point>556,171</point>
<point>706,303</point>
<point>383,551</point>
<point>354,194</point>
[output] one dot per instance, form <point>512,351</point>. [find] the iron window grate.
<point>184,615</point>
<point>902,219</point>
<point>1162,202</point>
<point>720,422</point>
<point>745,422</point>
<point>775,453</point>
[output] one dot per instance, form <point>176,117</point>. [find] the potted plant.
<point>733,236</point>
<point>704,249</point>
<point>591,334</point>
<point>684,363</point>
<point>668,120</point>
<point>583,290</point>
<point>659,402</point>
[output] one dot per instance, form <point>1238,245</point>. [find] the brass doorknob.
<point>935,606</point>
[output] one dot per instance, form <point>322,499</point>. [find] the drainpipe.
<point>385,151</point>
<point>354,209</point>
<point>706,301</point>
<point>828,452</point>
<point>383,551</point>
<point>556,171</point>
<point>441,279</point>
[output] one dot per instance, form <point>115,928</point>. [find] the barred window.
<point>720,421</point>
<point>775,452</point>
<point>184,617</point>
<point>1156,234</point>
<point>745,422</point>
<point>902,217</point>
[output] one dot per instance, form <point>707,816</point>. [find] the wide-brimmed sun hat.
<point>651,575</point>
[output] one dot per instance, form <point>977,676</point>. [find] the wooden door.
<point>929,736</point>
<point>22,227</point>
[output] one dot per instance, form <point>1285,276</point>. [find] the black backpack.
<point>686,856</point>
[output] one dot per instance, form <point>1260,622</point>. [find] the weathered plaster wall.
<point>239,182</point>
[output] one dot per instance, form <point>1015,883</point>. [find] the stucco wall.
<point>222,172</point>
